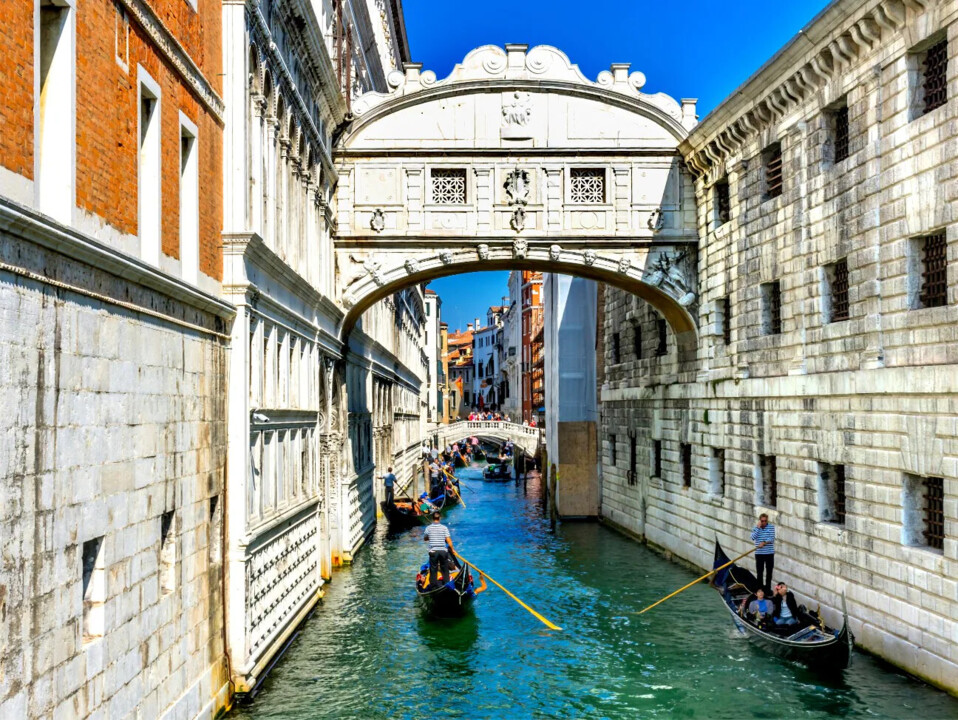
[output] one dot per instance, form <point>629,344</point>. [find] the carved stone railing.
<point>525,437</point>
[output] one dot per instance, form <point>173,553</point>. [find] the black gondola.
<point>404,513</point>
<point>492,457</point>
<point>810,642</point>
<point>499,472</point>
<point>447,598</point>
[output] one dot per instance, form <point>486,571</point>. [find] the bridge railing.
<point>462,428</point>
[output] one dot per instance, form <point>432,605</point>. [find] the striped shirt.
<point>436,534</point>
<point>766,535</point>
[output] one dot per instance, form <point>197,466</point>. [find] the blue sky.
<point>690,49</point>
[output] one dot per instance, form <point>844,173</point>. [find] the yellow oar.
<point>541,619</point>
<point>453,487</point>
<point>711,572</point>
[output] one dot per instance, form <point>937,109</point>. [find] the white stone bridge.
<point>525,438</point>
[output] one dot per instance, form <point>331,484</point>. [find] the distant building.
<point>460,372</point>
<point>433,350</point>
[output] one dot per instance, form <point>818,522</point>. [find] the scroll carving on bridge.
<point>673,273</point>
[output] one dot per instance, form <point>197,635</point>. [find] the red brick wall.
<point>106,137</point>
<point>16,86</point>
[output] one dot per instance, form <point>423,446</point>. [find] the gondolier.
<point>440,549</point>
<point>389,480</point>
<point>763,535</point>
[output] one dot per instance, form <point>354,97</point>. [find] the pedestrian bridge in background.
<point>523,437</point>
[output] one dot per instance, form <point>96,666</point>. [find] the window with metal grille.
<point>934,76</point>
<point>726,306</point>
<point>934,497</point>
<point>831,493</point>
<point>661,328</point>
<point>686,465</point>
<point>769,478</point>
<point>772,308</point>
<point>612,454</point>
<point>717,472</point>
<point>657,458</point>
<point>837,276</point>
<point>633,458</point>
<point>840,133</point>
<point>934,270</point>
<point>637,342</point>
<point>616,348</point>
<point>449,186</point>
<point>723,202</point>
<point>772,160</point>
<point>923,511</point>
<point>587,185</point>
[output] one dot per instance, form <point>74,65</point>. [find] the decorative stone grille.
<point>449,186</point>
<point>587,185</point>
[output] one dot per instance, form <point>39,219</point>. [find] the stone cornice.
<point>822,50</point>
<point>170,48</point>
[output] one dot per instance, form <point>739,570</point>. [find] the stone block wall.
<point>873,394</point>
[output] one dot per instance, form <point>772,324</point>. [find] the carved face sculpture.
<point>412,266</point>
<point>519,248</point>
<point>483,251</point>
<point>589,256</point>
<point>445,257</point>
<point>554,252</point>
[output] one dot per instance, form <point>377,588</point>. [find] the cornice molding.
<point>838,36</point>
<point>176,55</point>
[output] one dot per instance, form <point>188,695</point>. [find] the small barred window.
<point>449,186</point>
<point>935,76</point>
<point>587,185</point>
<point>840,120</point>
<point>934,270</point>
<point>772,158</point>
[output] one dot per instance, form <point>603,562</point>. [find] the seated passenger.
<point>786,609</point>
<point>760,607</point>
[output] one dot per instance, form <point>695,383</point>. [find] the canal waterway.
<point>368,653</point>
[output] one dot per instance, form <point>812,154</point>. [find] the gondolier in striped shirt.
<point>763,535</point>
<point>440,549</point>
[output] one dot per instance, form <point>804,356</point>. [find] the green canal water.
<point>368,653</point>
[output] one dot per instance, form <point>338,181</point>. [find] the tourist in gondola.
<point>760,608</point>
<point>786,609</point>
<point>441,550</point>
<point>389,480</point>
<point>763,535</point>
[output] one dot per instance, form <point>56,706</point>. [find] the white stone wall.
<point>875,393</point>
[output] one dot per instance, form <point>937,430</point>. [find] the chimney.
<point>468,327</point>
<point>477,324</point>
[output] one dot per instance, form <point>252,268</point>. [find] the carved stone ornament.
<point>378,221</point>
<point>445,257</point>
<point>483,251</point>
<point>624,265</point>
<point>516,116</point>
<point>589,257</point>
<point>518,219</point>
<point>412,266</point>
<point>554,252</point>
<point>517,187</point>
<point>669,273</point>
<point>372,266</point>
<point>519,247</point>
<point>656,220</point>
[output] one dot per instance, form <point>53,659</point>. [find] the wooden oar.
<point>708,574</point>
<point>539,617</point>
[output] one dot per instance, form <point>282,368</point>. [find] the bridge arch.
<point>517,161</point>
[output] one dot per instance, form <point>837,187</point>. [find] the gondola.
<point>492,457</point>
<point>447,599</point>
<point>403,512</point>
<point>498,472</point>
<point>810,642</point>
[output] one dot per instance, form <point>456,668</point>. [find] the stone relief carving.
<point>625,264</point>
<point>445,257</point>
<point>589,257</point>
<point>483,251</point>
<point>518,219</point>
<point>656,220</point>
<point>516,116</point>
<point>554,252</point>
<point>517,187</point>
<point>378,220</point>
<point>519,247</point>
<point>412,266</point>
<point>670,272</point>
<point>372,266</point>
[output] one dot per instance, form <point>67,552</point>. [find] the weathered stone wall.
<point>113,428</point>
<point>876,393</point>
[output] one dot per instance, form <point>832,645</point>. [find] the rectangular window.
<point>637,341</point>
<point>723,201</point>
<point>189,201</point>
<point>725,306</point>
<point>769,481</point>
<point>772,308</point>
<point>831,493</point>
<point>657,458</point>
<point>923,516</point>
<point>616,349</point>
<point>933,72</point>
<point>835,295</point>
<point>55,138</point>
<point>148,169</point>
<point>612,453</point>
<point>168,552</point>
<point>717,472</point>
<point>772,162</point>
<point>661,327</point>
<point>686,452</point>
<point>838,122</point>
<point>587,185</point>
<point>94,590</point>
<point>449,186</point>
<point>928,271</point>
<point>215,530</point>
<point>633,458</point>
